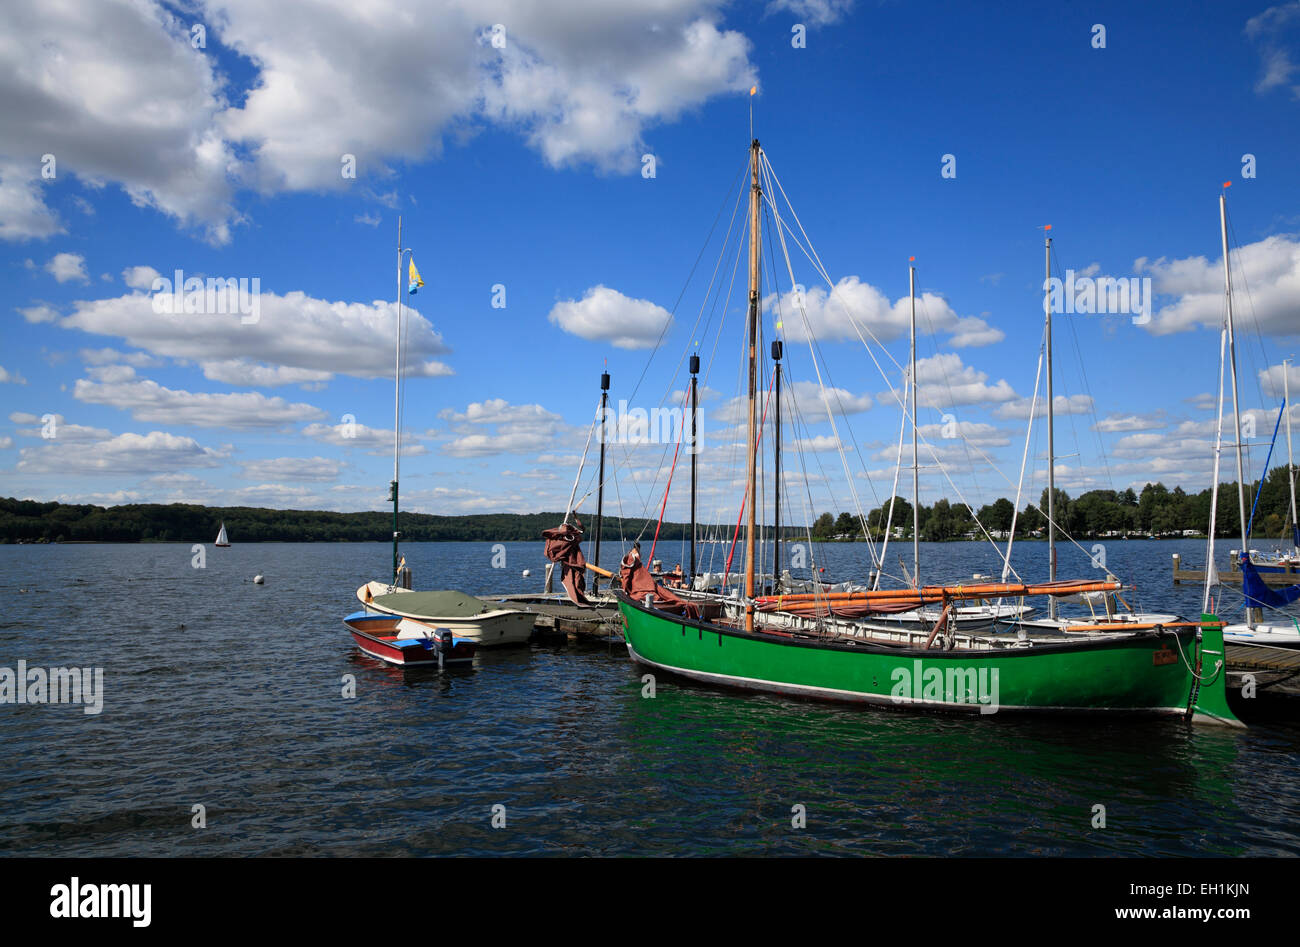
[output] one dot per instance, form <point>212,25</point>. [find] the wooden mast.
<point>755,192</point>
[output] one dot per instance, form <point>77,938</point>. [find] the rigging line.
<point>961,499</point>
<point>988,460</point>
<point>801,425</point>
<point>834,294</point>
<point>1078,354</point>
<point>947,381</point>
<point>742,367</point>
<point>1254,506</point>
<point>908,385</point>
<point>745,498</point>
<point>696,331</point>
<point>1256,332</point>
<point>1024,458</point>
<point>1060,529</point>
<point>1211,573</point>
<point>715,529</point>
<point>815,259</point>
<point>625,463</point>
<point>568,510</point>
<point>814,558</point>
<point>1087,390</point>
<point>817,368</point>
<point>685,286</point>
<point>839,402</point>
<point>806,503</point>
<point>707,372</point>
<point>1241,271</point>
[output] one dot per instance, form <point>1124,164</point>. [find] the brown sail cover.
<point>562,546</point>
<point>638,583</point>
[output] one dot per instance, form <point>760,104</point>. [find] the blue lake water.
<point>228,695</point>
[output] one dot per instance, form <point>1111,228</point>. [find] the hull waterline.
<point>407,643</point>
<point>1139,672</point>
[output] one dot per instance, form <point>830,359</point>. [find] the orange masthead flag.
<point>753,89</point>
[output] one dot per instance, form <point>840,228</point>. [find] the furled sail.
<point>563,545</point>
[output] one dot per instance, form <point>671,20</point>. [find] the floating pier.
<point>557,616</point>
<point>1232,575</point>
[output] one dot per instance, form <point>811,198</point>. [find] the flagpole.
<point>397,390</point>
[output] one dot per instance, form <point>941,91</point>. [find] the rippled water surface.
<point>228,695</point>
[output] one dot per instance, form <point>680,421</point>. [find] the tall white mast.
<point>1051,434</point>
<point>916,488</point>
<point>1236,408</point>
<point>397,394</point>
<point>1290,462</point>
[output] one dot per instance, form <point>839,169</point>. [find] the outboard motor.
<point>444,641</point>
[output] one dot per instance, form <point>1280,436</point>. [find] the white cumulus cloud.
<point>606,315</point>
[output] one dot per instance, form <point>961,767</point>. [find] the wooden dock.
<point>1232,575</point>
<point>558,617</point>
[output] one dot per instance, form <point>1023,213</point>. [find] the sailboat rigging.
<point>1245,640</point>
<point>814,644</point>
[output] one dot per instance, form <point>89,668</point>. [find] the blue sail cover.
<point>1258,594</point>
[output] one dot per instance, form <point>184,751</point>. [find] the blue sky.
<point>522,166</point>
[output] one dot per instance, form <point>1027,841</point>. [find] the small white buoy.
<point>527,573</point>
<point>258,580</point>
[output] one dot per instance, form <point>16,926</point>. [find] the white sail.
<point>222,540</point>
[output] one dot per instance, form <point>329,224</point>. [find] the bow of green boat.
<point>1170,671</point>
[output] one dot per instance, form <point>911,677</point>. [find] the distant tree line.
<point>1156,511</point>
<point>30,521</point>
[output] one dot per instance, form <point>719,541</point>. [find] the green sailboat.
<point>818,645</point>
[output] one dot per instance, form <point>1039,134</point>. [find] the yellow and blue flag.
<point>416,282</point>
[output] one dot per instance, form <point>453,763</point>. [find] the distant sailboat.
<point>222,539</point>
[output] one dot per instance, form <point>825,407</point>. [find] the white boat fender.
<point>259,580</point>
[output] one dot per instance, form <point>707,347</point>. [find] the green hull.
<point>1138,673</point>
